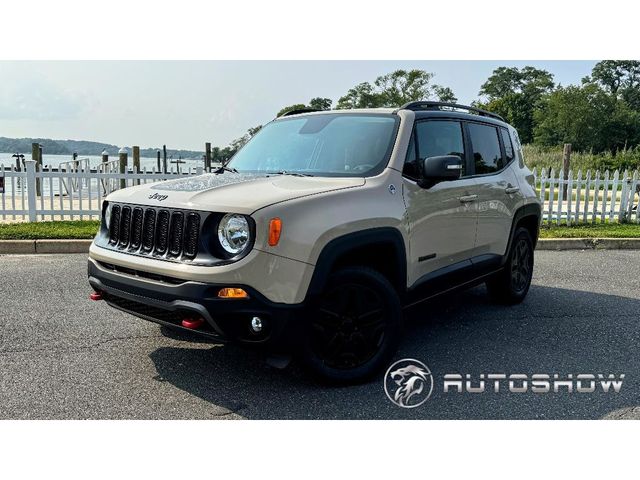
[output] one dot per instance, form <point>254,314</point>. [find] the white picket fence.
<point>72,193</point>
<point>592,197</point>
<point>75,192</point>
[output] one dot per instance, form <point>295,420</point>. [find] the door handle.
<point>510,190</point>
<point>467,198</point>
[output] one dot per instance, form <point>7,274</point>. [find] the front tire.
<point>511,285</point>
<point>354,327</point>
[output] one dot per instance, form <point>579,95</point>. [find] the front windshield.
<point>324,145</point>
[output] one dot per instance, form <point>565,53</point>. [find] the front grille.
<point>159,233</point>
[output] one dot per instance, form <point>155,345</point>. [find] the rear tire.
<point>511,284</point>
<point>354,326</point>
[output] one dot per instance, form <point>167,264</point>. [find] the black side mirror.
<point>440,169</point>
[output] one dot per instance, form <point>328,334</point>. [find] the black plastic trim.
<point>349,242</point>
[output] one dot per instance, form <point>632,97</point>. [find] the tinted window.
<point>508,147</point>
<point>410,164</point>
<point>486,148</point>
<point>436,138</point>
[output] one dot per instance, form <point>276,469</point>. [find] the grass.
<point>44,230</point>
<point>88,228</point>
<point>597,230</point>
<point>541,157</point>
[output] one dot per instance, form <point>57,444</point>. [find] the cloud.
<point>39,99</point>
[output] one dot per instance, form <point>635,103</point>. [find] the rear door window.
<point>487,156</point>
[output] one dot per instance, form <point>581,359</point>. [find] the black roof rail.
<point>425,105</point>
<point>299,110</point>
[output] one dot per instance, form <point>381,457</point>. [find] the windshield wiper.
<point>294,174</point>
<point>224,168</point>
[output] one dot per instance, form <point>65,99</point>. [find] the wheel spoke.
<point>348,326</point>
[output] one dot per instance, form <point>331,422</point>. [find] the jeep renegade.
<point>323,228</point>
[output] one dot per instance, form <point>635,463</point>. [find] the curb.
<point>44,246</point>
<point>588,244</point>
<point>82,246</point>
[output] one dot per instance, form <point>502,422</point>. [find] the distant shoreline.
<point>84,147</point>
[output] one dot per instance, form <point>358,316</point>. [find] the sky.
<point>184,104</point>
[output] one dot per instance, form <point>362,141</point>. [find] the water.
<point>54,161</point>
<point>94,160</point>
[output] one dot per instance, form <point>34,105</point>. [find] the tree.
<point>516,94</point>
<point>224,154</point>
<point>395,89</point>
<point>620,78</point>
<point>589,118</point>
<point>319,103</point>
<point>316,103</point>
<point>444,94</point>
<point>296,106</point>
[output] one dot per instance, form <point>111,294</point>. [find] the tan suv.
<point>323,228</point>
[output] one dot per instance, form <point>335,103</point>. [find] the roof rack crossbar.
<point>426,105</point>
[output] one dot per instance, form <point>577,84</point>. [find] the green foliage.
<point>537,156</point>
<point>74,229</point>
<point>295,106</point>
<point>317,103</point>
<point>222,155</point>
<point>620,78</point>
<point>597,230</point>
<point>589,118</point>
<point>516,94</point>
<point>395,89</point>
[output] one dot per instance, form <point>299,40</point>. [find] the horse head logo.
<point>408,383</point>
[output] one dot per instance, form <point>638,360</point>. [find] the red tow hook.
<point>95,296</point>
<point>192,323</point>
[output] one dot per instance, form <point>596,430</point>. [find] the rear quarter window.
<point>508,146</point>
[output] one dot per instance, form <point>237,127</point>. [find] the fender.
<point>528,210</point>
<point>340,246</point>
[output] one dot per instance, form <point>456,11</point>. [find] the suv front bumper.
<point>167,301</point>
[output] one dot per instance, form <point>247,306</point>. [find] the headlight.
<point>107,215</point>
<point>234,233</point>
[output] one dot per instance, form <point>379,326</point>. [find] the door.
<point>442,218</point>
<point>498,190</point>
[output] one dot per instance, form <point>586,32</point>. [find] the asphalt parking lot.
<point>63,356</point>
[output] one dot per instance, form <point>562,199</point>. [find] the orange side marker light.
<point>275,229</point>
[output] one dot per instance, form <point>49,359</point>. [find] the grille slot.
<point>136,228</point>
<point>162,232</point>
<point>171,234</point>
<point>114,226</point>
<point>175,233</point>
<point>192,235</point>
<point>148,229</point>
<point>125,226</point>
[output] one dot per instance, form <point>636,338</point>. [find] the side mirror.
<point>440,169</point>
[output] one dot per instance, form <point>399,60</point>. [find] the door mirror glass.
<point>440,169</point>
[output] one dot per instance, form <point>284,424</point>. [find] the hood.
<point>230,192</point>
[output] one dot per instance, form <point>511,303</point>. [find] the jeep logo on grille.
<point>158,197</point>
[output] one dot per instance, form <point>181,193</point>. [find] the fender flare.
<point>528,210</point>
<point>340,246</point>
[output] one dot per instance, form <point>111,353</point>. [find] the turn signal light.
<point>275,229</point>
<point>232,293</point>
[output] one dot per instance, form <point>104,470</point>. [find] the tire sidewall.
<point>521,233</point>
<point>393,327</point>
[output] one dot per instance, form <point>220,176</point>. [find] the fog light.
<point>232,293</point>
<point>256,325</point>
